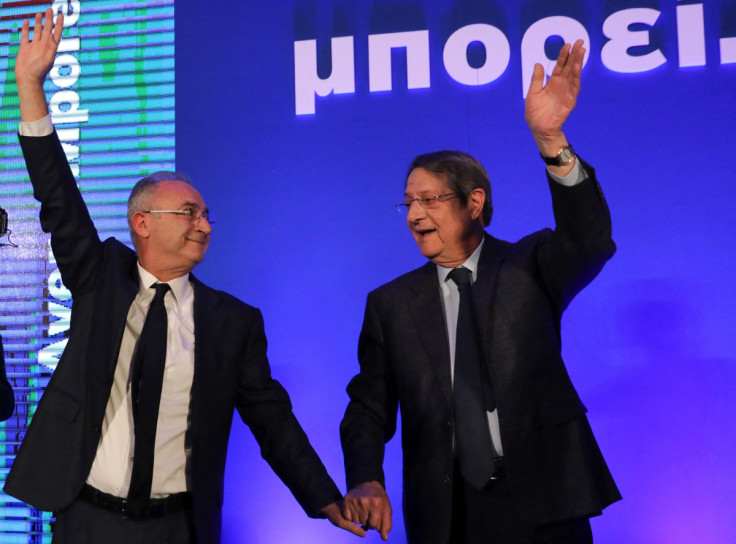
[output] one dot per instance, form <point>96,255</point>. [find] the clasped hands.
<point>365,507</point>
<point>368,506</point>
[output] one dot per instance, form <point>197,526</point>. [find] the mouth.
<point>421,233</point>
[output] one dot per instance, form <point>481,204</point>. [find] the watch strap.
<point>557,160</point>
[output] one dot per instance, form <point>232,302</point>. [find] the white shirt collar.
<point>471,264</point>
<point>178,285</point>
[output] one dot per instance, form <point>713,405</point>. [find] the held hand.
<point>368,505</point>
<point>547,106</point>
<point>36,57</point>
<point>333,511</point>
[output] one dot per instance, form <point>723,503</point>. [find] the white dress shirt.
<point>113,462</point>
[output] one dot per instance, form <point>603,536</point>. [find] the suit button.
<point>446,479</point>
<point>96,428</point>
<point>448,423</point>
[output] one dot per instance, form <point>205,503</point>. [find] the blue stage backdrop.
<point>297,121</point>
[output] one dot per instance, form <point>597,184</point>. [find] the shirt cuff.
<point>576,175</point>
<point>42,127</point>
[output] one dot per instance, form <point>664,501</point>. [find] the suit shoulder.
<point>402,283</point>
<point>114,246</point>
<point>528,242</point>
<point>229,302</point>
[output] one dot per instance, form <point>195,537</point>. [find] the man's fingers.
<point>37,28</point>
<point>48,21</point>
<point>355,529</point>
<point>335,512</point>
<point>576,55</point>
<point>386,524</point>
<point>58,27</point>
<point>577,45</point>
<point>537,79</point>
<point>562,59</point>
<point>346,512</point>
<point>375,518</point>
<point>24,32</point>
<point>577,69</point>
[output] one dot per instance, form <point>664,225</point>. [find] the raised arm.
<point>548,106</point>
<point>64,214</point>
<point>33,62</point>
<point>581,243</point>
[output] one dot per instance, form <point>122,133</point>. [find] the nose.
<point>203,225</point>
<point>415,212</point>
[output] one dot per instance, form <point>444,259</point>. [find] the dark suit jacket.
<point>7,399</point>
<point>555,469</point>
<point>230,370</point>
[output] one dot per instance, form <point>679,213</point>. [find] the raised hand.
<point>548,106</point>
<point>368,505</point>
<point>33,62</point>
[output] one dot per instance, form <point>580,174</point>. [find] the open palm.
<point>36,57</point>
<point>547,106</point>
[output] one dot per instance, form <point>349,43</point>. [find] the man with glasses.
<point>496,444</point>
<point>129,441</point>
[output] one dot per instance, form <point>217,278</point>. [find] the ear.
<point>476,199</point>
<point>141,224</point>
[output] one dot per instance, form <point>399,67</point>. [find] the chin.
<point>194,260</point>
<point>428,251</point>
<point>431,255</point>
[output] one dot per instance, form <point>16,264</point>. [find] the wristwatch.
<point>564,156</point>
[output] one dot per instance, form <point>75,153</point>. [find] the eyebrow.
<point>425,194</point>
<point>190,204</point>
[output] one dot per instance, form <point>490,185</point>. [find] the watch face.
<point>565,155</point>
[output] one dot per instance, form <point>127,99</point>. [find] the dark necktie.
<point>472,392</point>
<point>147,376</point>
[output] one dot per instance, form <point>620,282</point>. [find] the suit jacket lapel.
<point>117,294</point>
<point>483,288</point>
<point>429,319</point>
<point>205,354</point>
<point>204,327</point>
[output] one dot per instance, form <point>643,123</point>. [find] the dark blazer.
<point>230,370</point>
<point>555,469</point>
<point>7,399</point>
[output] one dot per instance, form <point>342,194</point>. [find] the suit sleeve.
<point>264,406</point>
<point>74,239</point>
<point>370,417</point>
<point>574,253</point>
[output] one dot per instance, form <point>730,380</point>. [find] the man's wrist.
<point>564,156</point>
<point>550,144</point>
<point>36,129</point>
<point>32,101</point>
<point>577,174</point>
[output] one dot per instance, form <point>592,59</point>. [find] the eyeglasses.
<point>427,203</point>
<point>193,215</point>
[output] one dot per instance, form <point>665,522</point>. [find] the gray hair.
<point>143,191</point>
